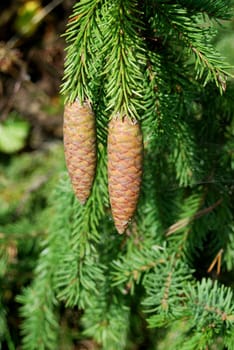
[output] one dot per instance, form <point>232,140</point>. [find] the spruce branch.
<point>124,58</point>
<point>203,239</point>
<point>198,340</point>
<point>211,306</point>
<point>190,31</point>
<point>140,258</point>
<point>164,291</point>
<point>79,270</point>
<point>132,58</point>
<point>82,36</point>
<point>213,8</point>
<point>184,155</point>
<point>107,320</point>
<point>180,224</point>
<point>40,326</point>
<point>177,234</point>
<point>78,279</point>
<point>155,85</point>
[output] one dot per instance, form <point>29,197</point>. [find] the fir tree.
<point>154,62</point>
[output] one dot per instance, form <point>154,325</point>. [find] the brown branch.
<point>217,260</point>
<point>184,222</point>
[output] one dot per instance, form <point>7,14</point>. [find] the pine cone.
<point>124,169</point>
<point>80,147</point>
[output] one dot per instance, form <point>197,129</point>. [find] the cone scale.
<point>80,147</point>
<point>124,169</point>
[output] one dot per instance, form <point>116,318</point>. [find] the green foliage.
<point>204,312</point>
<point>107,320</point>
<point>25,182</point>
<point>179,29</point>
<point>40,331</point>
<point>165,287</point>
<point>154,61</point>
<point>125,55</point>
<point>211,306</point>
<point>218,9</point>
<point>13,134</point>
<point>26,22</point>
<point>78,256</point>
<point>81,50</point>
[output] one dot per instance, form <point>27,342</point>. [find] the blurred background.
<point>31,150</point>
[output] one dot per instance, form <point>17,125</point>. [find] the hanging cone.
<point>80,147</point>
<point>124,168</point>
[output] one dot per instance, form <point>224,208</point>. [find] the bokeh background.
<point>31,150</point>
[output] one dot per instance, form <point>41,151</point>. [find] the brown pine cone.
<point>80,147</point>
<point>125,148</point>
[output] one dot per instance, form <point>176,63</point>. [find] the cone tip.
<point>121,227</point>
<point>82,200</point>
